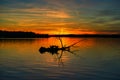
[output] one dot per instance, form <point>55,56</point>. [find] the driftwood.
<point>53,49</point>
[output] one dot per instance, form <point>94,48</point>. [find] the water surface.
<point>91,59</point>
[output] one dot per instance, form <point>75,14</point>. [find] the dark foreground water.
<point>91,59</point>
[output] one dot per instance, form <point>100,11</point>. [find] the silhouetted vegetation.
<point>53,49</point>
<point>20,34</point>
<point>58,51</point>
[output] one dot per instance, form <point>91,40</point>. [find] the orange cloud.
<point>58,14</point>
<point>44,12</point>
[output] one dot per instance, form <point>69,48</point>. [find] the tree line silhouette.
<point>20,34</point>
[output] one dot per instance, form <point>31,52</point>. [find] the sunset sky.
<point>61,16</point>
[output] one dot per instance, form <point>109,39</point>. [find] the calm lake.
<point>90,59</point>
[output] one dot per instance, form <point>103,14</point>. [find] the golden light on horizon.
<point>59,17</point>
<point>56,28</point>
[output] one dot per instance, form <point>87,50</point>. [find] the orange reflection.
<point>53,60</point>
<point>30,48</point>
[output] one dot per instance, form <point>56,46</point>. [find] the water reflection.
<point>20,59</point>
<point>58,51</point>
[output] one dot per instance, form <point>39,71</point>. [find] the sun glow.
<point>63,31</point>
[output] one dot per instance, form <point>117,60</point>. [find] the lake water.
<point>90,59</point>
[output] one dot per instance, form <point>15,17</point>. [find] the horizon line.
<point>60,34</point>
<point>20,34</point>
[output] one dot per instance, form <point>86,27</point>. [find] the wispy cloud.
<point>76,15</point>
<point>58,14</point>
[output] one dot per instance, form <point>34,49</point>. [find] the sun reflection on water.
<point>31,46</point>
<point>94,57</point>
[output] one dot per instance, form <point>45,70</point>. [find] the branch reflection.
<point>58,51</point>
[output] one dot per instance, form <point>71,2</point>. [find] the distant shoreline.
<point>89,35</point>
<point>19,34</point>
